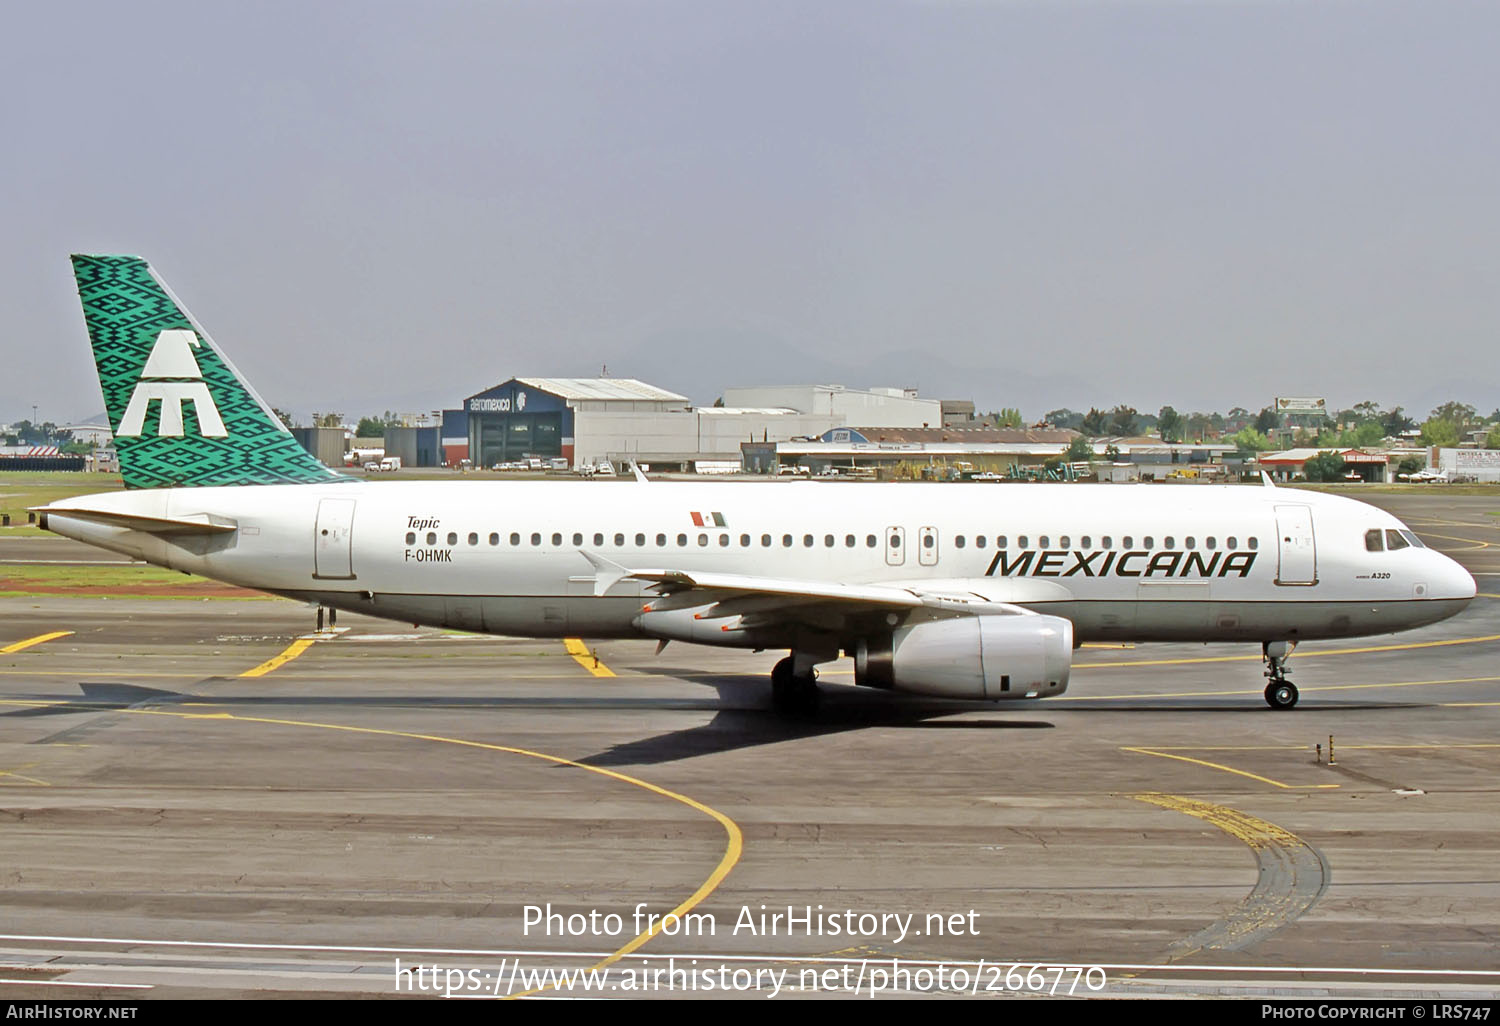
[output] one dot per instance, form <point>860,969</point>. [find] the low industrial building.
<point>1292,463</point>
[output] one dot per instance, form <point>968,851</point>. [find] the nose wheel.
<point>1281,694</point>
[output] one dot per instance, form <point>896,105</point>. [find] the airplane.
<point>936,589</point>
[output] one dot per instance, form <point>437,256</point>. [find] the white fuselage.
<point>1123,562</point>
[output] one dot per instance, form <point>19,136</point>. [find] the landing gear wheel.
<point>1281,694</point>
<point>792,695</point>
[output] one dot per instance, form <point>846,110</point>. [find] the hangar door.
<point>1297,551</point>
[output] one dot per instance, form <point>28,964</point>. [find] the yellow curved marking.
<point>286,655</point>
<point>1474,543</point>
<point>585,658</point>
<point>1231,694</point>
<point>27,643</point>
<point>1226,769</point>
<point>1308,653</point>
<point>732,850</point>
<point>1254,832</point>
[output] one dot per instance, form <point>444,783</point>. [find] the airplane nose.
<point>1451,581</point>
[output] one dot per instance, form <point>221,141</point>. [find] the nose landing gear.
<point>1280,692</point>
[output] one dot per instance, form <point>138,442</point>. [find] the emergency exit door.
<point>1297,550</point>
<point>332,546</point>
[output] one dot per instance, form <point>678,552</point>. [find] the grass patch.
<point>1397,489</point>
<point>19,492</point>
<point>127,581</point>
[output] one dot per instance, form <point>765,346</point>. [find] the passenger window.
<point>1255,543</point>
<point>640,540</point>
<point>473,538</point>
<point>744,541</point>
<point>411,537</point>
<point>536,538</point>
<point>1210,543</point>
<point>702,540</point>
<point>1041,542</point>
<point>619,540</point>
<point>765,541</point>
<point>577,538</point>
<point>807,541</point>
<point>849,541</point>
<point>928,541</point>
<point>1062,542</point>
<point>828,541</point>
<point>1020,542</point>
<point>682,539</point>
<point>1106,542</point>
<point>870,541</point>
<point>515,537</point>
<point>1146,542</point>
<point>661,541</point>
<point>1087,542</point>
<point>1128,541</point>
<point>1394,541</point>
<point>1231,542</point>
<point>1374,541</point>
<point>598,539</point>
<point>452,537</point>
<point>979,541</point>
<point>723,540</point>
<point>431,537</point>
<point>958,541</point>
<point>1190,543</point>
<point>1168,542</point>
<point>786,541</point>
<point>494,539</point>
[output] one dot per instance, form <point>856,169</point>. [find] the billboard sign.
<point>1302,406</point>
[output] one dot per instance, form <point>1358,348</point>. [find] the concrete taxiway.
<point>205,798</point>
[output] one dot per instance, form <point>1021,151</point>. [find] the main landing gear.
<point>794,690</point>
<point>1280,692</point>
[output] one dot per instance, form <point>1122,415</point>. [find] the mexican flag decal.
<point>708,520</point>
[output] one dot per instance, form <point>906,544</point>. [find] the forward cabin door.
<point>1296,549</point>
<point>927,542</point>
<point>335,536</point>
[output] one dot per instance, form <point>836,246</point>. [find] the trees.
<point>1010,417</point>
<point>1460,415</point>
<point>1250,440</point>
<point>1095,423</point>
<point>1080,450</point>
<point>1122,420</point>
<point>1065,418</point>
<point>1394,421</point>
<point>1169,423</point>
<point>1325,466</point>
<point>1439,432</point>
<point>1267,420</point>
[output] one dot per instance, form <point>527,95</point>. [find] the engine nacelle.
<point>986,657</point>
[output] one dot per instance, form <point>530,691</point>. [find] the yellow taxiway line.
<point>28,642</point>
<point>588,660</point>
<point>1226,769</point>
<point>283,657</point>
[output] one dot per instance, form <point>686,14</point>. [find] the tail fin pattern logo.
<point>173,378</point>
<point>155,365</point>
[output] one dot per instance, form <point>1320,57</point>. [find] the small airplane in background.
<point>939,589</point>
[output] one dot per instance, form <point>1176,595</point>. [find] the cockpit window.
<point>1374,541</point>
<point>1394,541</point>
<point>1416,542</point>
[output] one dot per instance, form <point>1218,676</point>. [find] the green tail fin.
<point>181,413</point>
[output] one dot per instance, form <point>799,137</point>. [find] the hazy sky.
<point>376,206</point>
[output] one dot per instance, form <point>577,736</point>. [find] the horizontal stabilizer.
<point>194,523</point>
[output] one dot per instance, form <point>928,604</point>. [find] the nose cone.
<point>1452,582</point>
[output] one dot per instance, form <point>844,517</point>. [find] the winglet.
<point>607,574</point>
<point>640,475</point>
<point>1267,479</point>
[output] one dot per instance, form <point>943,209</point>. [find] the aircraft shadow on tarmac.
<point>742,719</point>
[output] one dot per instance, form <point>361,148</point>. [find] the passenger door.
<point>895,546</point>
<point>1296,548</point>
